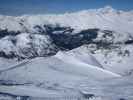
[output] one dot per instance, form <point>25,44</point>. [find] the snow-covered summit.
<point>103,18</point>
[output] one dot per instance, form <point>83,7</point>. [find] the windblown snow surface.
<point>86,55</point>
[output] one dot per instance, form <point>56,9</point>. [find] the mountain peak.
<point>107,9</point>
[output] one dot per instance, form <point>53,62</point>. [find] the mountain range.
<point>59,53</point>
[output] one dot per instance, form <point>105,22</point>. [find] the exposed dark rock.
<point>9,56</point>
<point>60,38</point>
<point>70,41</point>
<point>88,96</point>
<point>129,42</point>
<point>39,29</point>
<point>5,32</point>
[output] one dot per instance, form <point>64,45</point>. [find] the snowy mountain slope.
<point>22,34</point>
<point>34,92</point>
<point>65,79</point>
<point>112,89</point>
<point>77,57</point>
<point>95,53</point>
<point>118,60</point>
<point>4,63</point>
<point>44,68</point>
<point>52,75</point>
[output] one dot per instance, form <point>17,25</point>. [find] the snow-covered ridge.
<point>103,18</point>
<point>39,35</point>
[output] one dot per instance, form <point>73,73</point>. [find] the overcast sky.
<point>19,7</point>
